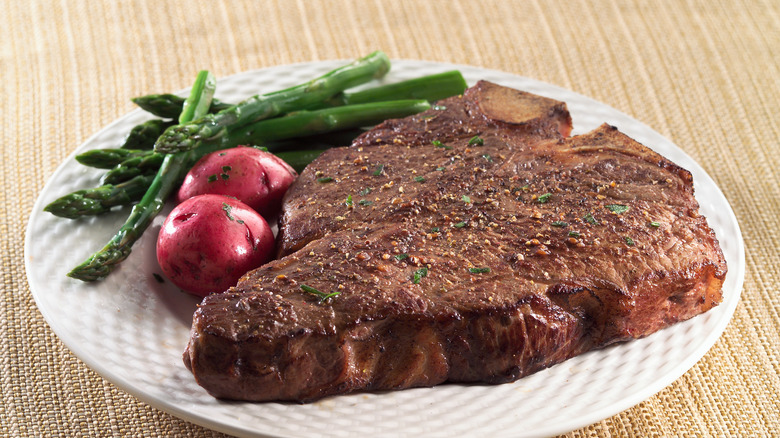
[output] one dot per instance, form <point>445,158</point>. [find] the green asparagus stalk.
<point>199,101</point>
<point>188,136</point>
<point>324,120</point>
<point>168,106</point>
<point>431,88</point>
<point>108,158</point>
<point>139,165</point>
<point>99,200</point>
<point>143,135</point>
<point>173,167</point>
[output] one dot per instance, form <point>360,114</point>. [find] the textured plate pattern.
<point>132,330</point>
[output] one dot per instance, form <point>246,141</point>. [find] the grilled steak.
<point>474,242</point>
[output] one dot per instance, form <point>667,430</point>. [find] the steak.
<point>474,242</point>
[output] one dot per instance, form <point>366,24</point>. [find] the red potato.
<point>255,177</point>
<point>209,241</point>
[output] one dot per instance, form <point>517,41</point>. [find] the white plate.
<point>132,330</point>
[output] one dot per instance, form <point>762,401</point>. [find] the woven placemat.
<point>705,74</point>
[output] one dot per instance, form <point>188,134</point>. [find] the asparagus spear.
<point>324,120</point>
<point>108,158</point>
<point>187,136</point>
<point>168,106</point>
<point>139,165</point>
<point>143,135</point>
<point>431,88</point>
<point>173,167</point>
<point>99,200</point>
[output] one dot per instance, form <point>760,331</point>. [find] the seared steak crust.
<point>461,259</point>
<point>380,168</point>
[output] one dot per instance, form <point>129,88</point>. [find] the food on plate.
<point>169,106</point>
<point>144,134</point>
<point>171,169</point>
<point>208,241</point>
<point>474,242</point>
<point>189,135</point>
<point>175,165</point>
<point>100,200</point>
<point>323,105</point>
<point>253,176</point>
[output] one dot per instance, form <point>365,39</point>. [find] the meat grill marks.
<point>486,271</point>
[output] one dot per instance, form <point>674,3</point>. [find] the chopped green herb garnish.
<point>228,209</point>
<point>629,241</point>
<point>479,270</point>
<point>590,219</point>
<point>617,208</point>
<point>487,157</point>
<point>559,224</point>
<point>655,224</point>
<point>158,277</point>
<point>435,230</point>
<point>574,234</point>
<point>459,225</point>
<point>379,169</point>
<point>262,148</point>
<point>222,154</point>
<point>365,191</point>
<point>439,107</point>
<point>363,202</point>
<point>439,144</point>
<point>544,198</point>
<point>327,179</point>
<point>466,199</point>
<point>419,274</point>
<point>322,295</point>
<point>212,178</point>
<point>419,179</point>
<point>402,256</point>
<point>348,202</point>
<point>476,141</point>
<point>224,176</point>
<point>441,169</point>
<point>227,168</point>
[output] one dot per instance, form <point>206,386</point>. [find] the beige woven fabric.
<point>704,73</point>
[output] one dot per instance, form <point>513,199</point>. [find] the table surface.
<point>705,74</point>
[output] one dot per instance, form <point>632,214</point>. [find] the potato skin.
<point>255,177</point>
<point>209,241</point>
